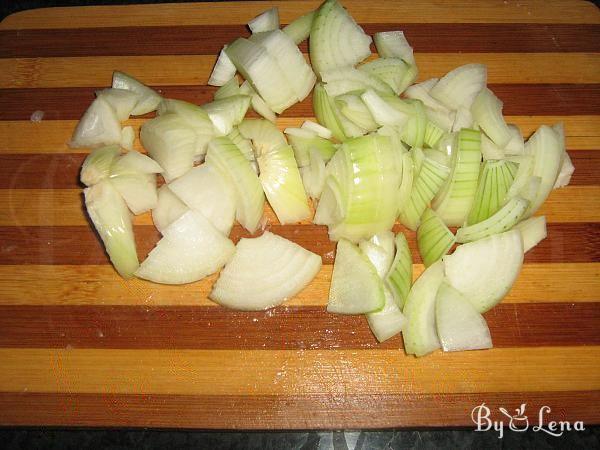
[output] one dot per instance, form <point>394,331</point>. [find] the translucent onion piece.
<point>399,278</point>
<point>455,198</point>
<point>331,207</point>
<point>335,39</point>
<point>566,171</point>
<point>462,119</point>
<point>127,138</point>
<point>290,60</point>
<point>460,86</point>
<point>190,249</point>
<point>355,286</point>
<point>205,190</point>
<point>257,103</point>
<point>148,98</point>
<point>353,108</point>
<point>533,231</point>
<point>393,44</point>
<point>419,334</point>
<point>321,131</point>
<point>433,134</point>
<point>98,126</point>
<point>408,176</point>
<point>382,112</point>
<point>303,141</point>
<point>245,145</point>
<point>267,21</point>
<point>168,209</point>
<point>313,175</point>
<point>390,70</point>
<point>112,220</point>
<point>327,112</point>
<point>282,184</point>
<point>342,80</point>
<point>433,238</point>
<point>516,145</point>
<point>459,325</point>
<point>299,29</point>
<point>224,156</point>
<point>227,112</point>
<point>258,67</point>
<point>487,112</point>
<point>264,272</point>
<point>96,166</point>
<point>223,71</point>
<point>265,136</point>
<point>495,180</point>
<point>421,91</point>
<point>132,163</point>
<point>229,89</point>
<point>171,142</point>
<point>123,101</point>
<point>491,151</point>
<point>138,191</point>
<point>485,270</point>
<point>413,133</point>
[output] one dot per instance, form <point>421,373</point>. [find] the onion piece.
<point>459,325</point>
<point>223,71</point>
<point>205,190</point>
<point>383,113</point>
<point>355,286</point>
<point>224,156</point>
<point>341,80</point>
<point>96,166</point>
<point>97,127</point>
<point>303,141</point>
<point>258,67</point>
<point>460,86</point>
<point>335,39</point>
<point>485,270</point>
<point>282,184</point>
<point>406,183</point>
<point>399,278</point>
<point>299,29</point>
<point>227,112</point>
<point>168,209</point>
<point>138,190</point>
<point>354,109</point>
<point>229,89</point>
<point>123,101</point>
<point>487,112</point>
<point>327,112</point>
<point>190,249</point>
<point>266,21</point>
<point>148,98</point>
<point>244,144</point>
<point>257,103</point>
<point>171,142</point>
<point>265,136</point>
<point>264,272</point>
<point>313,175</point>
<point>134,162</point>
<point>112,220</point>
<point>321,131</point>
<point>331,207</point>
<point>393,44</point>
<point>290,60</point>
<point>434,239</point>
<point>127,138</point>
<point>420,336</point>
<point>390,70</point>
<point>495,180</point>
<point>533,231</point>
<point>566,171</point>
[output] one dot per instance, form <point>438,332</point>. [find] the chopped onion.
<point>460,86</point>
<point>229,89</point>
<point>399,278</point>
<point>533,231</point>
<point>264,272</point>
<point>495,180</point>
<point>419,334</point>
<point>168,209</point>
<point>321,131</point>
<point>335,39</point>
<point>390,70</point>
<point>303,141</point>
<point>224,156</point>
<point>327,113</point>
<point>112,220</point>
<point>299,29</point>
<point>267,21</point>
<point>190,249</point>
<point>487,112</point>
<point>265,136</point>
<point>313,175</point>
<point>127,138</point>
<point>462,119</point>
<point>227,112</point>
<point>393,44</point>
<point>96,166</point>
<point>354,109</point>
<point>138,191</point>
<point>132,163</point>
<point>341,80</point>
<point>485,270</point>
<point>459,325</point>
<point>383,113</point>
<point>355,286</point>
<point>223,71</point>
<point>148,99</point>
<point>257,103</point>
<point>205,190</point>
<point>566,171</point>
<point>123,101</point>
<point>433,238</point>
<point>98,126</point>
<point>244,144</point>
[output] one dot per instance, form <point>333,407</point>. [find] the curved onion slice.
<point>123,101</point>
<point>399,278</point>
<point>420,336</point>
<point>98,126</point>
<point>355,286</point>
<point>460,86</point>
<point>354,109</point>
<point>133,163</point>
<point>112,220</point>
<point>303,141</point>
<point>485,270</point>
<point>127,138</point>
<point>495,180</point>
<point>335,39</point>
<point>433,238</point>
<point>487,113</point>
<point>533,231</point>
<point>96,166</point>
<point>267,21</point>
<point>459,325</point>
<point>264,272</point>
<point>190,249</point>
<point>224,156</point>
<point>265,136</point>
<point>229,89</point>
<point>223,71</point>
<point>393,44</point>
<point>390,70</point>
<point>227,112</point>
<point>148,98</point>
<point>299,29</point>
<point>257,103</point>
<point>321,131</point>
<point>168,209</point>
<point>138,190</point>
<point>327,112</point>
<point>205,190</point>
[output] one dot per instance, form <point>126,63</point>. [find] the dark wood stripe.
<point>61,170</point>
<point>566,242</point>
<point>199,39</point>
<point>283,328</point>
<point>318,411</point>
<point>519,99</point>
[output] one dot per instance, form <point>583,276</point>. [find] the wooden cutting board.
<point>80,346</point>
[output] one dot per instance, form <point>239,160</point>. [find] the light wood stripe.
<point>63,207</point>
<point>195,69</point>
<point>286,372</point>
<point>380,11</point>
<point>100,285</point>
<point>19,136</point>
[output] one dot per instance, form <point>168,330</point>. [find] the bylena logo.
<point>519,422</point>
